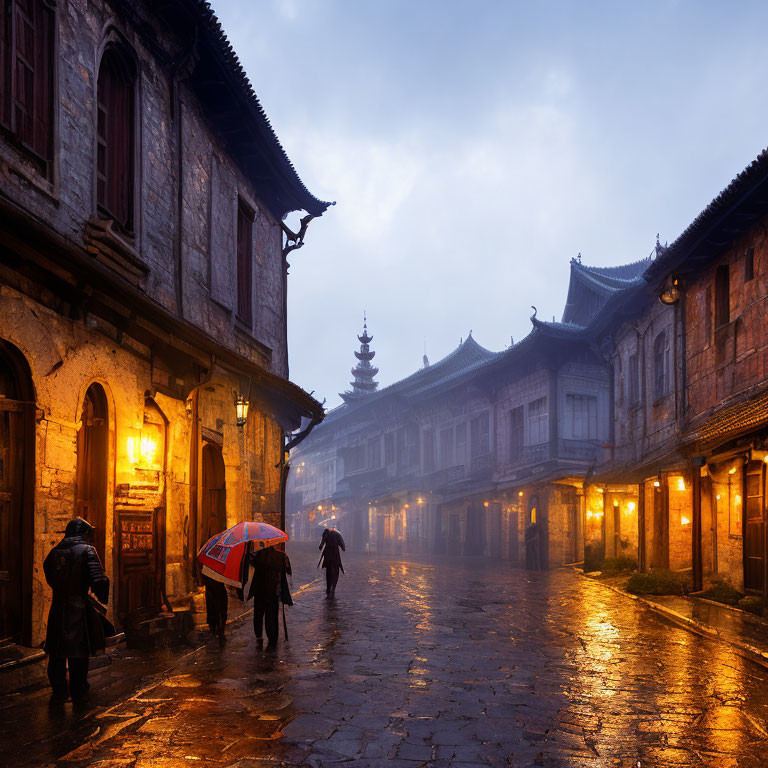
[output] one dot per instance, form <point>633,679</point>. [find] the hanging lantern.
<point>241,410</point>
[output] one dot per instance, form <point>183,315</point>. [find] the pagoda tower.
<point>363,383</point>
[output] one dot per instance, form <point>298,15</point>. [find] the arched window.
<point>116,137</point>
<point>660,366</point>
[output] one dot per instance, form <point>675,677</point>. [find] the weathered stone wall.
<point>722,362</point>
<point>66,356</point>
<point>68,201</point>
<point>647,427</point>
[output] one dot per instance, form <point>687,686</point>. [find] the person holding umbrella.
<point>227,558</point>
<point>331,559</point>
<point>74,631</point>
<point>216,607</point>
<point>268,587</point>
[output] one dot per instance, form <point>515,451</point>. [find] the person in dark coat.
<point>270,570</point>
<point>331,559</point>
<point>74,630</point>
<point>532,547</point>
<point>216,606</point>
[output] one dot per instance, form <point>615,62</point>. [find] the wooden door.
<point>754,526</point>
<point>11,510</point>
<point>16,491</point>
<point>213,518</point>
<point>92,463</point>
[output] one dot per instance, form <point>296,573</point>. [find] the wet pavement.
<point>429,662</point>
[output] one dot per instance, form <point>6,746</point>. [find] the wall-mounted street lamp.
<point>670,292</point>
<point>241,410</point>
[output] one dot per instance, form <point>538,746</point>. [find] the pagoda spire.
<point>363,373</point>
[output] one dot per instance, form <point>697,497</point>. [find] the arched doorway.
<point>213,517</point>
<point>17,472</point>
<point>92,464</point>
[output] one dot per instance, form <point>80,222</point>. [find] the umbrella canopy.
<point>222,555</point>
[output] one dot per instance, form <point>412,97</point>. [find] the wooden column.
<point>642,557</point>
<point>696,559</point>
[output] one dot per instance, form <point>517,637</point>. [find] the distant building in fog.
<point>463,455</point>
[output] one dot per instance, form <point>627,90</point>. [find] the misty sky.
<point>474,147</point>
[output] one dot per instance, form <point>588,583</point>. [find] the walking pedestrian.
<point>269,583</point>
<point>216,607</point>
<point>331,559</point>
<point>75,631</point>
<point>532,547</point>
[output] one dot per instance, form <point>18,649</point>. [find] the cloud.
<point>474,151</point>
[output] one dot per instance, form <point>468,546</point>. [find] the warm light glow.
<point>615,502</point>
<point>656,483</point>
<point>420,500</point>
<point>738,499</point>
<point>133,453</point>
<point>486,504</point>
<point>732,471</point>
<point>680,484</point>
<point>718,497</point>
<point>599,490</point>
<point>241,410</point>
<point>333,509</point>
<point>631,506</point>
<point>319,507</point>
<point>684,520</point>
<point>533,515</point>
<point>148,450</point>
<point>519,493</point>
<point>765,459</point>
<point>333,517</point>
<point>590,515</point>
<point>406,506</point>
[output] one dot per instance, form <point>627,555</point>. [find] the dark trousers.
<point>216,605</point>
<point>266,612</point>
<point>331,578</point>
<point>78,676</point>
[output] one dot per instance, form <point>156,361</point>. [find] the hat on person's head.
<point>78,527</point>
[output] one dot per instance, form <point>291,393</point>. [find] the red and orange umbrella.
<point>223,554</point>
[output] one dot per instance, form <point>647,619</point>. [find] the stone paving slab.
<point>538,669</point>
<point>745,632</point>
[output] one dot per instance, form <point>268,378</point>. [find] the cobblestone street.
<point>431,662</point>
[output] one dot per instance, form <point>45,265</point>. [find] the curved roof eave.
<point>729,199</point>
<point>298,197</point>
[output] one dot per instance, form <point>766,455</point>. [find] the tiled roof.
<point>302,197</point>
<point>742,416</point>
<point>590,287</point>
<point>468,356</point>
<point>734,196</point>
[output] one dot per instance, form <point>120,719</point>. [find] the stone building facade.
<point>635,427</point>
<point>466,454</point>
<point>719,268</point>
<point>143,289</point>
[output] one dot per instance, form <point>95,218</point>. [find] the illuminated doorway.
<point>92,464</point>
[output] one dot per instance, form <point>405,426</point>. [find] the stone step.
<point>162,631</point>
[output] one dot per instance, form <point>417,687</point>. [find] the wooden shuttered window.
<point>115,139</point>
<point>26,76</point>
<point>245,263</point>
